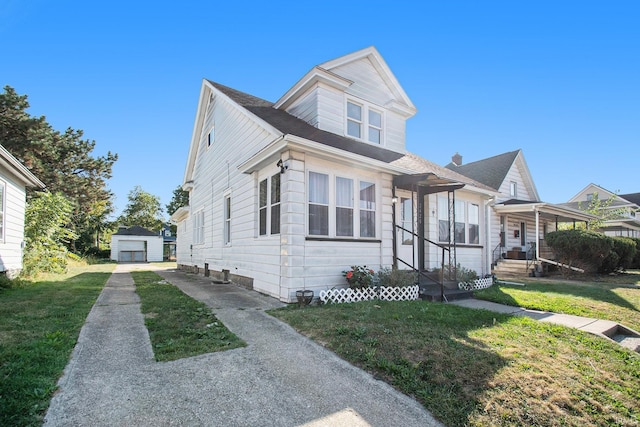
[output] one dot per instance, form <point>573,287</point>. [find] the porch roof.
<point>432,182</point>
<point>547,210</point>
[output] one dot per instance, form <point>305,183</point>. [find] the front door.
<point>406,242</point>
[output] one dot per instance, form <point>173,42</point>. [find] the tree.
<point>62,161</point>
<point>143,210</point>
<point>179,199</point>
<point>46,233</point>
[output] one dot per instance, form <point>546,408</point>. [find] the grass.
<point>40,320</point>
<point>178,325</point>
<point>617,300</point>
<point>474,367</point>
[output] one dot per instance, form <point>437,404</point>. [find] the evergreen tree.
<point>61,160</point>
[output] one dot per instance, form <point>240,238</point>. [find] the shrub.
<point>396,277</point>
<point>359,276</point>
<point>580,248</point>
<point>463,274</point>
<point>621,256</point>
<point>636,259</point>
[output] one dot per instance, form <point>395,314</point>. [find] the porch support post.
<point>420,226</point>
<point>537,234</point>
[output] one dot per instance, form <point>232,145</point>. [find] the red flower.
<point>349,274</point>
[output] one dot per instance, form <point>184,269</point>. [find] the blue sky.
<point>558,79</point>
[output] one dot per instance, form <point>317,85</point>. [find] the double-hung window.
<point>341,206</point>
<point>344,206</point>
<point>318,204</point>
<point>269,205</point>
<point>367,209</point>
<point>364,122</point>
<point>474,224</point>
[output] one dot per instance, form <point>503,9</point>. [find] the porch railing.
<point>419,270</point>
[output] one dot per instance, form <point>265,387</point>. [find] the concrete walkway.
<point>603,328</point>
<point>280,379</point>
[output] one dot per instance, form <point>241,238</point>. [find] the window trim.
<point>365,123</point>
<point>332,206</point>
<point>513,189</point>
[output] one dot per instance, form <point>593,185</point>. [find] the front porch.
<point>518,252</point>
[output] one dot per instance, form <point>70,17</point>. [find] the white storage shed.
<point>136,244</point>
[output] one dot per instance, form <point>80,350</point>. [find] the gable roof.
<point>324,73</point>
<point>491,171</point>
<point>134,230</point>
<point>288,124</point>
<point>19,170</point>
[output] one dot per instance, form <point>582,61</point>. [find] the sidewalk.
<point>280,379</point>
<point>602,328</point>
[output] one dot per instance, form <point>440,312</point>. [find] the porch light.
<point>394,200</point>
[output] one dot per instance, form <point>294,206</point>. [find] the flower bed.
<point>384,293</point>
<point>477,284</point>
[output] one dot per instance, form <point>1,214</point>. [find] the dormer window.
<point>364,122</point>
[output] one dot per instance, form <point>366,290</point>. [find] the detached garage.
<point>136,244</point>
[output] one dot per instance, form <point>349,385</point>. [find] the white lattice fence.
<point>384,293</point>
<point>477,284</point>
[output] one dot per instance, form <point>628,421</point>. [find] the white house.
<point>625,209</point>
<point>519,221</point>
<point>136,244</point>
<point>14,179</point>
<point>287,195</point>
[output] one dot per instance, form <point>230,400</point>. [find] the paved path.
<point>280,379</point>
<point>594,326</point>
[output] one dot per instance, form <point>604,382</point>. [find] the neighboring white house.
<point>519,220</point>
<point>14,179</point>
<point>626,209</point>
<point>286,196</point>
<point>136,244</point>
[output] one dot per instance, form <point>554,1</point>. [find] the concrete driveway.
<point>280,379</point>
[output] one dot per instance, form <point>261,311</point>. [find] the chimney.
<point>456,159</point>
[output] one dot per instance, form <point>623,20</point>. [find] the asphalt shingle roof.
<point>288,124</point>
<point>491,171</point>
<point>135,230</point>
<point>632,197</point>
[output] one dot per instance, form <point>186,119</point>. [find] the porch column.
<point>537,234</point>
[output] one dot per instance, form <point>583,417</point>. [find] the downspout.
<point>537,234</point>
<point>393,226</point>
<point>488,257</point>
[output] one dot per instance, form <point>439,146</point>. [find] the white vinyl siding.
<point>2,208</point>
<point>13,211</point>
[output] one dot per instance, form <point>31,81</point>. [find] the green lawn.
<point>474,367</point>
<point>40,321</point>
<point>178,325</point>
<point>617,299</point>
